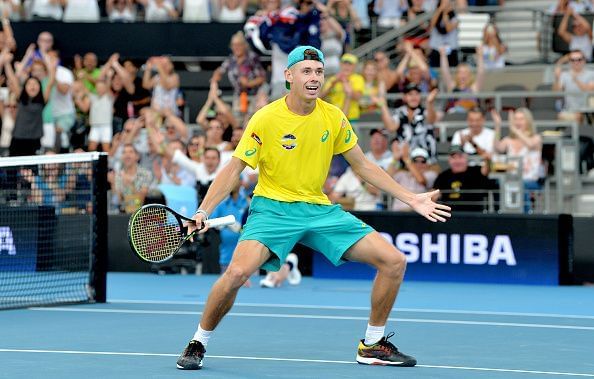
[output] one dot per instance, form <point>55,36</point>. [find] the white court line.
<point>322,317</point>
<point>290,360</point>
<point>352,308</point>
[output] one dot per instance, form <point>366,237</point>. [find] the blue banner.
<point>474,248</point>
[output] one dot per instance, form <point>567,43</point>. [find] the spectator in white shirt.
<point>476,139</point>
<point>576,79</point>
<point>121,10</point>
<point>580,38</point>
<point>159,10</point>
<point>81,11</point>
<point>378,152</point>
<point>352,192</point>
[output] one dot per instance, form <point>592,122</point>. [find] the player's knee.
<point>237,275</point>
<point>394,264</point>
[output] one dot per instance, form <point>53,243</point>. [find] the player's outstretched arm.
<point>371,173</point>
<point>220,188</point>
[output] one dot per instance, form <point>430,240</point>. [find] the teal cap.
<point>302,53</point>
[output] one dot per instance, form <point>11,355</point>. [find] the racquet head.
<point>156,232</point>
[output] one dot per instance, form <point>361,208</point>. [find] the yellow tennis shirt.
<point>293,152</point>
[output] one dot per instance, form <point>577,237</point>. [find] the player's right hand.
<point>200,224</point>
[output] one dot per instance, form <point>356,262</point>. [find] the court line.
<point>352,308</point>
<point>37,351</point>
<point>323,317</point>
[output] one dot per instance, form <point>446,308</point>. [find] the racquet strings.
<point>155,234</point>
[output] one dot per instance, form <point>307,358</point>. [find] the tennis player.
<point>292,141</point>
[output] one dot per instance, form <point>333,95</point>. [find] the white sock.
<point>202,335</point>
<point>373,334</point>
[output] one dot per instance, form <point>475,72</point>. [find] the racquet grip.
<point>220,221</point>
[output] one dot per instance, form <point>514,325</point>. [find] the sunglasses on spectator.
<point>194,144</point>
<point>420,160</point>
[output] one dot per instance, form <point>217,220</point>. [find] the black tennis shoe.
<point>191,358</point>
<point>383,353</point>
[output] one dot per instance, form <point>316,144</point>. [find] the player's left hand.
<point>423,204</point>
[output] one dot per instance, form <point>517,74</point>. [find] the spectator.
<point>389,12</point>
<point>123,89</point>
<point>195,148</point>
<point>374,90</point>
<point>80,131</point>
<point>165,84</point>
<point>167,172</point>
<point>7,40</point>
<point>345,88</point>
<point>142,96</point>
<point>204,171</point>
<point>11,10</point>
<point>81,11</point>
<point>159,10</point>
<point>378,152</point>
<point>86,70</point>
<point>51,185</point>
<point>121,10</point>
<point>411,170</point>
<point>413,70</point>
<point>28,125</point>
<point>101,116</point>
<point>46,10</point>
<point>476,139</point>
<point>245,73</point>
<point>222,112</point>
<point>344,13</point>
<point>461,186</point>
<point>231,10</point>
<point>563,6</point>
<point>9,109</point>
<point>351,192</point>
<point>493,49</point>
<point>175,128</point>
<point>443,39</point>
<point>464,82</point>
<point>577,79</point>
<point>235,204</point>
<point>581,37</point>
<point>524,143</point>
<point>63,110</point>
<point>214,135</point>
<point>386,74</point>
<point>196,11</point>
<point>131,183</point>
<point>361,8</point>
<point>413,123</point>
<point>333,37</point>
<point>289,271</point>
<point>418,37</point>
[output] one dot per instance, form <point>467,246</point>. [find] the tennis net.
<point>53,229</point>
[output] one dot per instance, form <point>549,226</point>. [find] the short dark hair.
<point>212,148</point>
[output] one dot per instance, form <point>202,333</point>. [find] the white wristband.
<point>203,212</point>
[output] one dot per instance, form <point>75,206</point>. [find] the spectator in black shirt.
<point>464,187</point>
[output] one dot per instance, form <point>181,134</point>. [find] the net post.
<point>99,257</point>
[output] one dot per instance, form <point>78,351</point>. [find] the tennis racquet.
<point>157,232</point>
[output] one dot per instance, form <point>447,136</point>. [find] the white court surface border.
<point>310,316</point>
<point>438,367</point>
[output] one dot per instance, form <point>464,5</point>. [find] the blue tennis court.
<point>309,331</point>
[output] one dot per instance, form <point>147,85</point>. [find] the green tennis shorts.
<point>280,225</point>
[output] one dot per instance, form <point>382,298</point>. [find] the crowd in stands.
<point>135,114</point>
